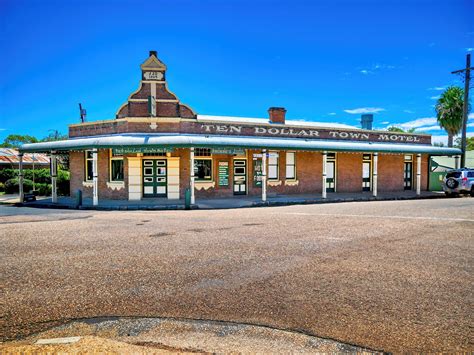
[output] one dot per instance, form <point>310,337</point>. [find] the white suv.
<point>459,181</point>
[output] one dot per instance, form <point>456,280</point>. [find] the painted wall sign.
<point>133,150</point>
<point>282,131</point>
<point>236,151</point>
<point>153,75</point>
<point>223,173</point>
<point>317,133</point>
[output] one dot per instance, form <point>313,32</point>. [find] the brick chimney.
<point>277,114</point>
<point>155,53</point>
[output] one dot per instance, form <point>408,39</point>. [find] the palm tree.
<point>449,111</point>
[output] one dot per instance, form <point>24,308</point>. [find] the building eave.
<point>190,140</point>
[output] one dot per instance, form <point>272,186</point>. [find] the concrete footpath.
<point>218,203</point>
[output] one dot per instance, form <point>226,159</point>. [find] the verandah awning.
<point>210,141</point>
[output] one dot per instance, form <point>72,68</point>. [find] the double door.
<point>154,177</point>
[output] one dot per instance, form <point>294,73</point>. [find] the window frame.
<point>277,166</point>
<point>293,165</point>
<point>116,158</point>
<point>86,165</point>
<point>196,178</point>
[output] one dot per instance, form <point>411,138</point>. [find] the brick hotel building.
<point>157,147</point>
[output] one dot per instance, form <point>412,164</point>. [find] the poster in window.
<point>257,172</point>
<point>223,173</point>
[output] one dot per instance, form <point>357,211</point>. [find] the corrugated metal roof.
<point>9,156</point>
<point>173,140</point>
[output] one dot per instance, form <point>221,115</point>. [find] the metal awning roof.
<point>209,141</point>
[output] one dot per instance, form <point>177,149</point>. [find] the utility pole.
<point>467,77</point>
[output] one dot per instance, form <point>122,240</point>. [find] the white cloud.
<point>408,111</point>
<point>444,138</point>
<point>360,110</point>
<point>469,49</point>
<point>470,124</point>
<point>471,116</point>
<point>332,113</point>
<point>435,97</point>
<point>430,128</point>
<point>418,123</point>
<point>377,67</point>
<point>385,122</point>
<point>438,88</point>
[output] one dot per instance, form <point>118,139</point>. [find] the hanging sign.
<point>234,151</point>
<point>133,150</point>
<point>223,173</point>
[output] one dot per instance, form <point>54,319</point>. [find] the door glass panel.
<point>366,170</point>
<point>148,171</point>
<point>330,170</point>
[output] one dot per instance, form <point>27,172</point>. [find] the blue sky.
<point>322,60</point>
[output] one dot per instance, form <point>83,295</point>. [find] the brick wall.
<point>390,172</point>
<point>349,172</point>
<point>77,168</point>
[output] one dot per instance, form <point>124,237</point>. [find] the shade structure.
<point>209,141</point>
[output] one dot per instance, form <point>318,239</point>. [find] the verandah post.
<point>418,174</point>
<point>20,178</point>
<point>374,175</point>
<point>95,178</point>
<point>191,172</point>
<point>54,174</point>
<point>264,175</point>
<point>325,156</point>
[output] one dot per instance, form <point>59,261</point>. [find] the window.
<point>88,176</point>
<point>273,165</point>
<point>408,157</point>
<point>202,152</point>
<point>203,169</point>
<point>290,165</point>
<point>116,166</point>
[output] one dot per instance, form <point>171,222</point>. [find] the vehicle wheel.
<point>472,191</point>
<point>452,183</point>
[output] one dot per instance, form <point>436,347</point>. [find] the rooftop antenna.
<point>83,113</point>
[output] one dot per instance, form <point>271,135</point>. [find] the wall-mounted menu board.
<point>223,173</point>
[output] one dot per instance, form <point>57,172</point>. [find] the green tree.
<point>469,143</point>
<point>16,140</point>
<point>54,136</point>
<point>449,111</point>
<point>400,130</point>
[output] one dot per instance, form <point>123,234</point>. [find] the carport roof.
<point>209,141</point>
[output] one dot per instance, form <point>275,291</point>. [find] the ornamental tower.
<point>153,98</point>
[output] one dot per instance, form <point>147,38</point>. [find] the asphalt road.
<point>393,276</point>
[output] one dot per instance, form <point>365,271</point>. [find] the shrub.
<point>12,186</point>
<point>7,174</point>
<point>43,189</point>
<point>2,187</point>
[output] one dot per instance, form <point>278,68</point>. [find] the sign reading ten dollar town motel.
<point>317,133</point>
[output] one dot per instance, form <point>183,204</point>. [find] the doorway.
<point>366,172</point>
<point>240,177</point>
<point>154,177</point>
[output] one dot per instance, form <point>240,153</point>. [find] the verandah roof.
<point>209,141</point>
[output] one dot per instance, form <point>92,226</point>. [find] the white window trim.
<point>277,178</point>
<point>111,158</point>
<point>85,166</point>
<point>212,169</point>
<point>294,166</point>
